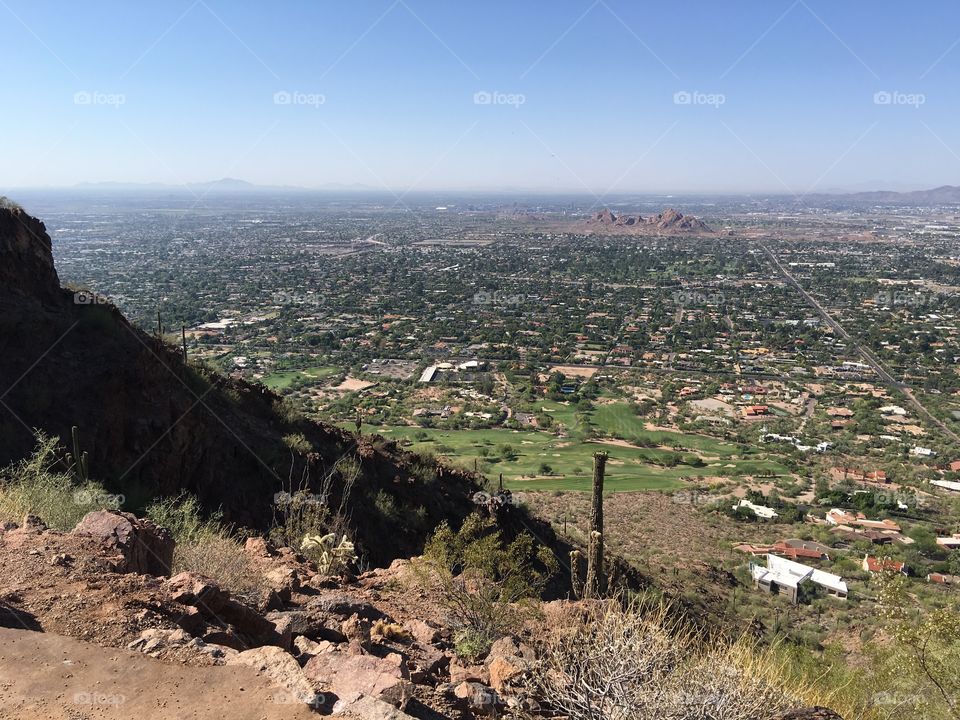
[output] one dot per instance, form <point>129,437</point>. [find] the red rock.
<point>382,678</point>
<point>146,548</point>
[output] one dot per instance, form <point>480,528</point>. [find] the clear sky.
<point>553,95</point>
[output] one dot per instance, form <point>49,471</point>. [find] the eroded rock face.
<point>145,547</point>
<point>27,257</point>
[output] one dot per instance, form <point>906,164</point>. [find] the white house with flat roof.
<point>786,577</point>
<point>761,511</point>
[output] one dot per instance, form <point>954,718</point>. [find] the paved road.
<point>868,357</point>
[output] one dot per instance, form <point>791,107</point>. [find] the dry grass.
<point>637,664</point>
<point>206,546</point>
<point>222,559</point>
<point>37,486</point>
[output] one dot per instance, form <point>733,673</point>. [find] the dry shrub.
<point>637,664</point>
<point>207,546</point>
<point>223,560</point>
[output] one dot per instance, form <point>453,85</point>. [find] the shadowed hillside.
<point>153,425</point>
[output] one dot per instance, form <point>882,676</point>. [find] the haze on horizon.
<point>598,96</point>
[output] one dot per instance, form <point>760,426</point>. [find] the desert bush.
<point>918,667</point>
<point>221,558</point>
<point>39,486</point>
<point>485,583</point>
<point>205,545</point>
<point>633,663</point>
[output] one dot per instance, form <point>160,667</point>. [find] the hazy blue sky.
<point>612,95</point>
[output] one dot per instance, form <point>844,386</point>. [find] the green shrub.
<point>485,583</point>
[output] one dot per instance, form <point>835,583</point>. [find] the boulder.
<point>257,547</point>
<point>216,606</point>
<point>190,588</point>
<point>477,696</point>
<point>33,523</point>
<point>364,707</point>
<point>504,669</point>
<point>508,658</point>
<point>344,606</point>
<point>155,640</point>
<point>509,647</point>
<point>426,663</point>
<point>284,581</point>
<point>468,673</point>
<point>422,632</point>
<point>281,668</point>
<point>381,678</point>
<point>146,548</point>
<point>306,646</point>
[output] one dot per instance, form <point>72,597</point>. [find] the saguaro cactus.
<point>593,587</point>
<point>80,459</point>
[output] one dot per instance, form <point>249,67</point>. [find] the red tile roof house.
<point>942,579</point>
<point>756,410</point>
<point>837,516</point>
<point>874,565</point>
<point>784,550</point>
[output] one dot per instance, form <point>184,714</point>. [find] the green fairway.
<point>619,420</point>
<point>525,458</point>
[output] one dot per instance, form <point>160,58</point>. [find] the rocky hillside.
<point>155,425</point>
<point>380,646</point>
<point>669,220</point>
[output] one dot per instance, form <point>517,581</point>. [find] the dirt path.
<point>51,677</point>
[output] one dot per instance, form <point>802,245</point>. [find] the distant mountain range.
<point>943,195</point>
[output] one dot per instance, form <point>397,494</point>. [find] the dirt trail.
<point>51,677</point>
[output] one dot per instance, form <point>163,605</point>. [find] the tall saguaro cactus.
<point>593,587</point>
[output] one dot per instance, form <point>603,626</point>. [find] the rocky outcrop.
<point>27,259</point>
<point>143,547</point>
<point>813,713</point>
<point>669,220</point>
<point>235,623</point>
